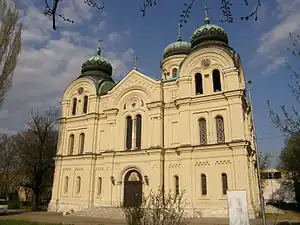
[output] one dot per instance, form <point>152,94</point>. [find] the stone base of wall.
<point>116,212</point>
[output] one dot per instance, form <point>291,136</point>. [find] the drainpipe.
<point>262,205</point>
<point>163,145</point>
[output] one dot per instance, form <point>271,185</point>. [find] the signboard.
<point>238,207</point>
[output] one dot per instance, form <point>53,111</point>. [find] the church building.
<point>190,131</point>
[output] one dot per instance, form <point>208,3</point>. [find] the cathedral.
<point>190,131</point>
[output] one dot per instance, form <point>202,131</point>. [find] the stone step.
<point>102,212</point>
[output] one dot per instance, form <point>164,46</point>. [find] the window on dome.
<point>224,183</point>
<point>220,129</point>
<point>85,104</point>
<point>128,132</point>
<point>203,184</point>
<point>71,144</point>
<point>198,83</point>
<point>203,131</point>
<point>174,73</point>
<point>74,106</point>
<point>176,180</point>
<point>138,128</point>
<point>216,80</point>
<point>81,143</point>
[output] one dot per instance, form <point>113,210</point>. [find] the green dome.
<point>178,47</point>
<point>97,65</point>
<point>209,32</point>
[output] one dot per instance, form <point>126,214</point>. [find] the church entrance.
<point>132,189</point>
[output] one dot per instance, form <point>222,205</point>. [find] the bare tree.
<point>52,10</point>
<point>9,166</point>
<point>10,44</point>
<point>36,148</point>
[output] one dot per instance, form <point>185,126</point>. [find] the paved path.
<point>79,220</point>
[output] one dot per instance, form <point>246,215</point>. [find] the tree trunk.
<point>36,199</point>
<point>297,193</point>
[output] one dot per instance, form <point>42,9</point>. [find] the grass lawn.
<point>22,222</point>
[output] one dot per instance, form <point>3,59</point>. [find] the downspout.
<point>163,144</point>
<point>112,177</point>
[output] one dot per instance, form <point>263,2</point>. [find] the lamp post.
<point>262,204</point>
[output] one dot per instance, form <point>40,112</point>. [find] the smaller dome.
<point>178,47</point>
<point>97,65</point>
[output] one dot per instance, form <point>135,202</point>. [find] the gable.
<point>135,81</point>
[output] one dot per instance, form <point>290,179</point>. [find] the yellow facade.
<point>177,150</point>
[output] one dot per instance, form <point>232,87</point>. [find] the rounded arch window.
<point>174,72</point>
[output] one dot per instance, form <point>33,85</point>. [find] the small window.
<point>224,183</point>
<point>78,185</point>
<point>203,131</point>
<point>216,80</point>
<point>81,143</point>
<point>277,175</point>
<point>174,73</point>
<point>128,132</point>
<point>85,104</point>
<point>198,83</point>
<point>220,129</point>
<point>203,184</point>
<point>71,144</point>
<point>99,189</point>
<point>66,187</point>
<point>74,106</point>
<point>138,131</point>
<point>176,179</point>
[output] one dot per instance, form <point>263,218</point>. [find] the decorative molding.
<point>175,165</point>
<point>205,63</point>
<point>202,163</point>
<point>66,169</point>
<point>80,90</point>
<point>78,169</point>
<point>222,162</point>
<point>99,169</point>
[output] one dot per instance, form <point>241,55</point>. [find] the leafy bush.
<point>156,209</point>
<point>14,205</point>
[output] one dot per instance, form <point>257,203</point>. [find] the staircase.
<point>103,212</point>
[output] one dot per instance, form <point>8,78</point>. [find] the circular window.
<point>80,90</point>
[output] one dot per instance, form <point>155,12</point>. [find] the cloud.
<point>49,61</point>
<point>272,44</point>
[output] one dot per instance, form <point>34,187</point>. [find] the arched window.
<point>224,184</point>
<point>128,132</point>
<point>220,129</point>
<point>81,143</point>
<point>78,185</point>
<point>203,131</point>
<point>66,187</point>
<point>174,73</point>
<point>71,144</point>
<point>176,180</point>
<point>217,80</point>
<point>85,104</point>
<point>203,184</point>
<point>138,132</point>
<point>99,188</point>
<point>74,106</point>
<point>198,83</point>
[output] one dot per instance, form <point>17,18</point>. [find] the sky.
<point>50,59</point>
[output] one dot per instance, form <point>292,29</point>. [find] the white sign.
<point>238,208</point>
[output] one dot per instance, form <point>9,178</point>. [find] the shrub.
<point>14,205</point>
<point>156,209</point>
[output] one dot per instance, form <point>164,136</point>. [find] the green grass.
<point>22,222</point>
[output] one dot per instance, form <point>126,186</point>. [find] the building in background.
<point>276,187</point>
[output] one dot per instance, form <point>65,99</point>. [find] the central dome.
<point>208,32</point>
<point>97,65</point>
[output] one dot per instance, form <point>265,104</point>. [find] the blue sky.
<point>51,59</point>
